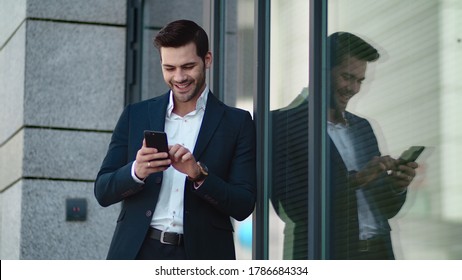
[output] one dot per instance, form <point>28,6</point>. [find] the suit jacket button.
<point>148,213</point>
<point>158,180</point>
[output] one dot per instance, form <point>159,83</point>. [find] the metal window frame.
<point>218,45</point>
<point>133,51</point>
<point>261,117</point>
<point>317,147</point>
<point>317,167</point>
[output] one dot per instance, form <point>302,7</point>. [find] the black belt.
<point>170,238</point>
<point>371,245</point>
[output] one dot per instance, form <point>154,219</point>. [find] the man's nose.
<point>354,87</point>
<point>179,75</point>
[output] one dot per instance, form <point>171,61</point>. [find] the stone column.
<point>62,73</point>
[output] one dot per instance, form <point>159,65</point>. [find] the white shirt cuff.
<point>134,176</point>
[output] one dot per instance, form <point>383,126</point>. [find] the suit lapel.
<point>212,117</point>
<point>157,110</point>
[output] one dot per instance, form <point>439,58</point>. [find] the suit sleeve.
<point>114,181</point>
<point>385,197</point>
<point>233,191</point>
<point>380,190</point>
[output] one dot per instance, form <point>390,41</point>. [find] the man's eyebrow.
<point>183,65</point>
<point>189,64</point>
<point>353,76</point>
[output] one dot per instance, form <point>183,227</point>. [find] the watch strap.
<point>202,175</point>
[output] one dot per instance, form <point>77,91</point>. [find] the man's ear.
<point>208,60</point>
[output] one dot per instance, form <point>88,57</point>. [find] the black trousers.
<point>153,249</point>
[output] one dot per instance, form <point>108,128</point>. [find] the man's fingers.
<point>180,153</point>
<point>157,163</point>
<point>186,157</point>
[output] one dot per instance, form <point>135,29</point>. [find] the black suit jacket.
<point>289,194</point>
<point>226,144</point>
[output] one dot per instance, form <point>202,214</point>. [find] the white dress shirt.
<point>168,215</point>
<point>340,135</point>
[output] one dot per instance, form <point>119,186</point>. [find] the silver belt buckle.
<point>162,235</point>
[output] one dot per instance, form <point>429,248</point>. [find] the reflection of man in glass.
<point>365,188</point>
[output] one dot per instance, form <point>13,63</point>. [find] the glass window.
<point>238,84</point>
<point>409,96</point>
<point>288,226</point>
<point>392,83</point>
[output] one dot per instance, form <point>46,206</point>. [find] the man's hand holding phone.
<point>401,170</point>
<point>404,174</point>
<point>406,165</point>
<point>153,156</point>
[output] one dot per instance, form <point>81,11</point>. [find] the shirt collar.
<point>200,104</point>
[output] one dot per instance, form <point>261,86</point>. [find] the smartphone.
<point>411,154</point>
<point>156,139</point>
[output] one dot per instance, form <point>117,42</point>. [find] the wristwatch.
<point>204,172</point>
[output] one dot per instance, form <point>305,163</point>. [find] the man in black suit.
<point>178,205</point>
<point>365,188</point>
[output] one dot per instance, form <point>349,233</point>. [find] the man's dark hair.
<point>342,44</point>
<point>180,33</point>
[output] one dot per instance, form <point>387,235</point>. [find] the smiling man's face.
<point>346,80</point>
<point>184,72</point>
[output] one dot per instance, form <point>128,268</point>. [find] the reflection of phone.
<point>411,154</point>
<point>156,139</point>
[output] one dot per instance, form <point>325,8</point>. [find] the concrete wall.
<point>62,74</point>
